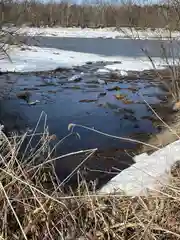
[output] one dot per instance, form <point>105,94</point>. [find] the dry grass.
<point>33,204</point>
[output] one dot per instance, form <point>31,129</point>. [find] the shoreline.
<point>35,59</point>
<point>113,33</point>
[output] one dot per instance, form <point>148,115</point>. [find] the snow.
<point>140,157</point>
<point>75,78</point>
<point>34,59</point>
<point>148,173</point>
<point>136,64</point>
<point>102,71</point>
<point>74,32</point>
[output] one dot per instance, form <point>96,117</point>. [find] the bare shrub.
<point>168,16</point>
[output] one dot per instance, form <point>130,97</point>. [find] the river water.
<point>110,47</point>
<point>94,101</point>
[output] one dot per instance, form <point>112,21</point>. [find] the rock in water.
<point>76,78</point>
<point>102,94</point>
<point>123,73</point>
<point>25,95</point>
<point>50,81</point>
<point>87,100</point>
<point>100,81</point>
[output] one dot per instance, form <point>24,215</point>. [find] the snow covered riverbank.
<point>34,59</point>
<point>74,32</point>
<point>149,173</point>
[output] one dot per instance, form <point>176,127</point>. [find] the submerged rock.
<point>133,89</point>
<point>31,88</point>
<point>130,117</point>
<point>49,81</point>
<point>119,96</point>
<point>127,101</point>
<point>116,88</point>
<point>102,94</point>
<point>87,100</point>
<point>25,95</point>
<point>129,111</point>
<point>111,105</point>
<point>52,91</point>
<point>150,118</point>
<point>115,75</point>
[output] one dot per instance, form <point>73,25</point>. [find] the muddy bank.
<point>167,134</point>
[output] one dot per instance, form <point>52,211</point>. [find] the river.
<point>96,101</point>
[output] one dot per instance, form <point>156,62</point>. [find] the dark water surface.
<point>111,47</point>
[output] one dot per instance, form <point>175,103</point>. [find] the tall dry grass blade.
<point>31,138</point>
<point>63,156</point>
<point>73,125</point>
<point>77,167</point>
<point>12,209</point>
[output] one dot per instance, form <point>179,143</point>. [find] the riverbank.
<point>34,59</point>
<point>114,33</point>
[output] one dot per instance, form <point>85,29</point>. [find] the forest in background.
<point>125,14</point>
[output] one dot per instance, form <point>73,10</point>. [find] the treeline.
<point>35,13</point>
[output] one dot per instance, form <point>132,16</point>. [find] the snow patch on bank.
<point>34,59</point>
<point>134,65</point>
<point>74,32</point>
<point>148,173</point>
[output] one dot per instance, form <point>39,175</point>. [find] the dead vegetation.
<point>33,204</point>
